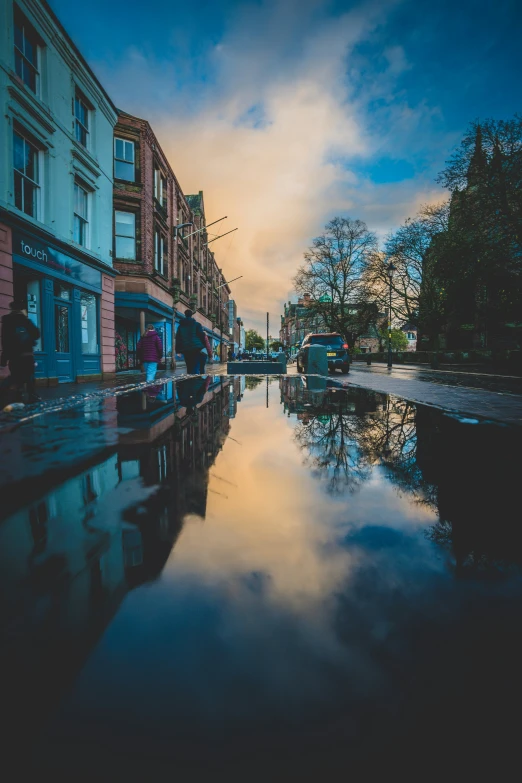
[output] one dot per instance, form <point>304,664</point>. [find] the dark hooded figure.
<point>19,336</point>
<point>192,342</point>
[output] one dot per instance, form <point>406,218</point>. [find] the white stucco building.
<point>56,191</point>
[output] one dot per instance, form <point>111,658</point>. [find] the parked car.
<point>337,351</point>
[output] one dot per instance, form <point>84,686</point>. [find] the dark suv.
<point>336,351</point>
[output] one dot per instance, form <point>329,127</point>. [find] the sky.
<point>287,113</point>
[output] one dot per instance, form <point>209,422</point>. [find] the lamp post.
<point>390,269</point>
<point>221,314</point>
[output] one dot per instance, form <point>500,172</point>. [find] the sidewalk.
<point>130,379</point>
<point>436,389</point>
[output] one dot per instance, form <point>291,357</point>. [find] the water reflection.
<point>68,559</point>
<point>265,565</point>
<point>464,471</point>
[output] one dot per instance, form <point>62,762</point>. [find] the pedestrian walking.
<point>19,336</point>
<point>150,351</point>
<point>192,342</point>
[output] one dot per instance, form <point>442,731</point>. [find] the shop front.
<point>66,299</point>
<point>133,311</point>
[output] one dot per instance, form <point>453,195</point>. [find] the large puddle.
<point>260,576</point>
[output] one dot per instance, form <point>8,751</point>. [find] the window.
<point>26,52</point>
<point>81,119</point>
<point>89,313</point>
<point>411,336</point>
<point>81,224</point>
<point>124,159</point>
<point>125,235</point>
<point>160,261</point>
<point>26,175</point>
<point>160,188</point>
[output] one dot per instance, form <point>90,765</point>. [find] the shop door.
<point>62,335</point>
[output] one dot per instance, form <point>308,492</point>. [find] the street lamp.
<point>390,269</point>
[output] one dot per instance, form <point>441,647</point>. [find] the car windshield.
<point>334,340</point>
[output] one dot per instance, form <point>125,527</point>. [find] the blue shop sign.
<point>30,249</point>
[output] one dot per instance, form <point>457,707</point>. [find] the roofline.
<point>123,113</point>
<point>80,56</point>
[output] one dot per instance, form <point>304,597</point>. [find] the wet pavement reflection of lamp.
<point>390,269</point>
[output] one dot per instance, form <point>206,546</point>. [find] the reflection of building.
<point>68,559</point>
<point>56,194</point>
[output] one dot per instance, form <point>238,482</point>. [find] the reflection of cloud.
<point>269,523</point>
<point>270,132</point>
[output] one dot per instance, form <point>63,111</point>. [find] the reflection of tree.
<point>331,443</point>
<point>361,430</point>
<point>477,493</point>
<point>251,382</point>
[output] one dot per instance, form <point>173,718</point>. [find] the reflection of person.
<point>19,336</point>
<point>192,391</point>
<point>191,341</point>
<point>149,351</point>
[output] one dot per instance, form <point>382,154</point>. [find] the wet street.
<point>270,578</point>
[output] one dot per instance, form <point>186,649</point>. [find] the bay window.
<point>160,260</point>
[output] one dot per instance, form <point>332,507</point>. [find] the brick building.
<point>165,265</point>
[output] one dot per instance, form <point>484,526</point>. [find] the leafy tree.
<point>254,340</point>
<point>399,341</point>
<point>276,345</point>
<point>332,274</point>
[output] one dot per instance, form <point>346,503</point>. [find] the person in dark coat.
<point>150,351</point>
<point>19,336</point>
<point>190,341</point>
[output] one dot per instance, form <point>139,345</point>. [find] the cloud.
<point>269,132</point>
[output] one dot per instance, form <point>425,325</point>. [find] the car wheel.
<point>346,368</point>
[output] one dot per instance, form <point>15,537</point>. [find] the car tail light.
<point>346,345</point>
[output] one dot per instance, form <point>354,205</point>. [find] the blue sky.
<point>287,113</point>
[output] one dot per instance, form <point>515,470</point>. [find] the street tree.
<point>276,345</point>
<point>332,274</point>
<point>407,249</point>
<point>254,340</point>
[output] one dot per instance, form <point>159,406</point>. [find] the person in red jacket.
<point>150,351</point>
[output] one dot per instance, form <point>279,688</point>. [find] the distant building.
<point>410,330</point>
<point>56,175</point>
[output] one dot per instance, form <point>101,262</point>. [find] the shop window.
<point>26,42</point>
<point>89,322</point>
<point>81,119</point>
<point>124,159</point>
<point>26,175</point>
<point>81,215</point>
<point>34,308</point>
<point>125,233</point>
